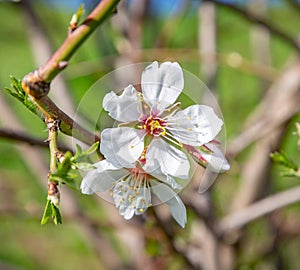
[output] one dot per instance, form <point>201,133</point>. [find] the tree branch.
<point>258,209</point>
<point>42,49</point>
<point>25,138</point>
<point>67,125</point>
<point>75,39</point>
<point>37,83</point>
<point>251,17</point>
<point>271,114</point>
<point>21,137</point>
<point>232,60</point>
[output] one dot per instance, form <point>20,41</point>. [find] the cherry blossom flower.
<point>146,153</point>
<point>132,178</point>
<point>150,119</point>
<point>131,188</point>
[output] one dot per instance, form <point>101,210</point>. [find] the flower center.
<point>132,194</point>
<point>139,174</point>
<point>155,126</point>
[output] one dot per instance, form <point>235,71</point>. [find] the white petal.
<point>122,192</point>
<point>122,146</point>
<point>217,161</point>
<point>195,125</point>
<point>101,179</point>
<point>166,179</point>
<point>126,211</point>
<point>129,200</point>
<point>124,108</point>
<point>170,180</point>
<point>84,187</point>
<point>176,206</point>
<point>165,158</point>
<point>161,85</point>
<point>143,201</point>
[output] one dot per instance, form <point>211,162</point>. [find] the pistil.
<point>154,126</point>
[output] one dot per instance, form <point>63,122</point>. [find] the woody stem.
<point>37,83</point>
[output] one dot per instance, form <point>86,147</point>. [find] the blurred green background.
<point>25,244</point>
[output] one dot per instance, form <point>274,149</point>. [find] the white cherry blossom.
<point>145,154</point>
<point>131,188</point>
<point>150,119</point>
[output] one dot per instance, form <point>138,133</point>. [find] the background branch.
<point>258,209</point>
<point>274,111</point>
<point>251,17</point>
<point>21,137</point>
<point>25,138</point>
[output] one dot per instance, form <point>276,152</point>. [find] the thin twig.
<point>75,39</point>
<point>207,43</point>
<point>42,49</point>
<point>250,16</point>
<point>263,207</point>
<point>33,158</point>
<point>25,138</point>
<point>274,111</point>
<point>267,128</point>
<point>260,39</point>
<point>232,60</point>
<point>21,137</point>
<point>217,255</point>
<point>255,183</point>
<point>67,125</point>
<point>37,84</point>
<point>53,186</point>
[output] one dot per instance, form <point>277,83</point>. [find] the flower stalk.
<point>53,186</point>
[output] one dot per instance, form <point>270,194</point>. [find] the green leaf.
<point>289,173</point>
<point>282,159</point>
<point>47,213</point>
<point>76,17</point>
<point>18,93</point>
<point>66,172</point>
<point>56,216</point>
<point>70,180</point>
<point>51,211</point>
<point>84,166</point>
<point>82,156</point>
<point>78,152</point>
<point>80,11</point>
<point>92,149</point>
